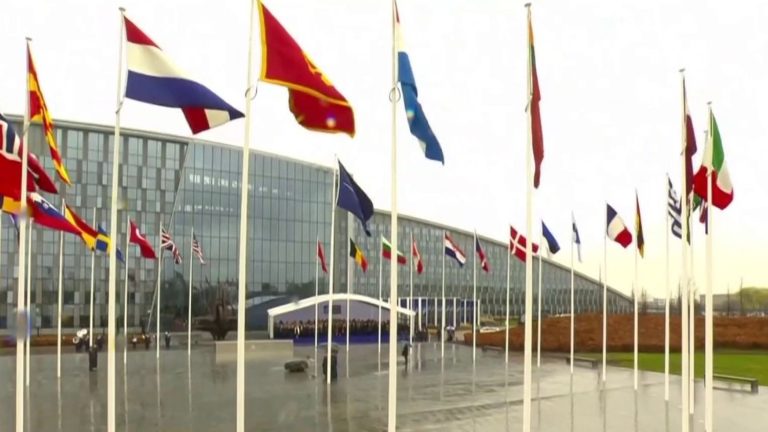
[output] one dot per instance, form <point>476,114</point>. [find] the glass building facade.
<point>186,184</point>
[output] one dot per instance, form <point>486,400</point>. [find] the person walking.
<point>406,351</point>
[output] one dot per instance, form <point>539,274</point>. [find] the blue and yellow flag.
<point>103,243</point>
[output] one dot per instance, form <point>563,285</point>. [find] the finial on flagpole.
<point>528,5</point>
<point>29,39</point>
<point>709,103</point>
<point>121,9</point>
<point>682,70</point>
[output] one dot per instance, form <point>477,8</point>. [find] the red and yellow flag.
<point>313,99</point>
<point>537,133</point>
<point>38,111</point>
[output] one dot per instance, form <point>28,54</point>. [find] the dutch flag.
<point>453,250</point>
<point>153,78</point>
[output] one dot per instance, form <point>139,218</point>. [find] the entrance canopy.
<point>323,300</point>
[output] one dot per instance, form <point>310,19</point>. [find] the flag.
<point>87,232</point>
<point>537,133</point>
<point>166,242</point>
<point>197,249</point>
<point>45,214</point>
<point>703,209</point>
<point>154,79</point>
<point>103,244</point>
<point>356,254</point>
<point>11,152</point>
<point>353,199</point>
<point>386,252</point>
<point>481,255</point>
<point>639,228</point>
<point>713,164</point>
<point>15,222</point>
<point>674,209</point>
<point>690,147</point>
<point>575,236</point>
<point>417,120</point>
<point>416,257</point>
<point>552,246</point>
<point>38,111</point>
<point>140,239</point>
<point>615,229</point>
<point>314,101</point>
<point>10,205</point>
<point>518,243</point>
<point>321,257</point>
<point>453,250</point>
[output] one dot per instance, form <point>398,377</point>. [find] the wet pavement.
<point>197,394</point>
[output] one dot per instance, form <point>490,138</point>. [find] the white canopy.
<point>323,299</point>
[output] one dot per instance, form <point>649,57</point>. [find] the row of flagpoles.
<point>151,77</point>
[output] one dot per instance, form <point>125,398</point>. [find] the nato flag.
<point>352,199</point>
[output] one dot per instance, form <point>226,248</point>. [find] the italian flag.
<point>386,252</point>
<point>714,163</point>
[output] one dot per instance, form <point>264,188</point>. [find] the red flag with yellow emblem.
<point>313,100</point>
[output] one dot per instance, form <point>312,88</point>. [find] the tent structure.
<point>322,300</point>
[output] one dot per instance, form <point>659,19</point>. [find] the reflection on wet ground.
<point>434,394</point>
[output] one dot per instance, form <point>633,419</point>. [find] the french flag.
<point>454,251</point>
<point>153,78</point>
<point>616,229</point>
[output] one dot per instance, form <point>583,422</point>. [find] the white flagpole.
<point>250,93</point>
<point>189,299</point>
<point>317,288</point>
<point>685,415</point>
<point>59,294</point>
<point>378,340</point>
<point>441,331</point>
<point>605,299</point>
<point>455,324</point>
<point>538,321</point>
<point>392,390</point>
<point>506,312</point>
<point>351,277</point>
<point>634,295</point>
<point>708,332</point>
<point>475,305</point>
<point>90,303</point>
<point>125,289</point>
<point>410,302</point>
<point>528,259</point>
<point>111,387</point>
<point>666,299</point>
<point>159,279</point>
<point>29,304</point>
<point>22,313</point>
<point>573,311</point>
<point>334,191</point>
<point>691,324</point>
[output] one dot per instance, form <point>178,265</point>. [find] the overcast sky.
<point>611,105</point>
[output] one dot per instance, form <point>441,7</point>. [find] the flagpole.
<point>111,412</point>
<point>159,279</point>
<point>22,313</point>
<point>350,279</point>
<point>528,257</point>
<point>506,313</point>
<point>475,308</point>
<point>538,321</point>
<point>90,304</point>
<point>691,323</point>
<point>410,302</point>
<point>605,298</point>
<point>685,415</point>
<point>393,96</point>
<point>378,340</point>
<point>708,318</point>
<point>59,294</point>
<point>29,303</point>
<point>666,299</point>
<point>634,295</point>
<point>250,93</point>
<point>573,311</point>
<point>317,288</point>
<point>125,290</point>
<point>441,331</point>
<point>334,197</point>
<point>189,300</point>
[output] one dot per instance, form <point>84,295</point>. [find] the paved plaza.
<point>174,394</point>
